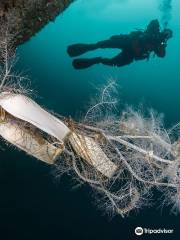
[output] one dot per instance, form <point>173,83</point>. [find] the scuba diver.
<point>137,45</point>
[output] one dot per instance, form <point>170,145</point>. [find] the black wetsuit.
<point>137,45</point>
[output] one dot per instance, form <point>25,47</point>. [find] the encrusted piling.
<point>27,17</point>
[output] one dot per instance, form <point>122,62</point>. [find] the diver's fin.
<point>83,63</point>
<point>78,49</point>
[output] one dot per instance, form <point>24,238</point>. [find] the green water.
<point>155,82</point>
<point>43,208</point>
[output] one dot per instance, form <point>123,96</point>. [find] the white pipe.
<point>24,108</point>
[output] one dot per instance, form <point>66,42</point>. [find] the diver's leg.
<point>121,59</point>
<point>80,48</point>
<point>114,42</point>
<point>119,41</point>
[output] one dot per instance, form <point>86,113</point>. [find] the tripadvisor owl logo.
<point>139,231</point>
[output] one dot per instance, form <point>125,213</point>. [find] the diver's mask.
<point>167,33</point>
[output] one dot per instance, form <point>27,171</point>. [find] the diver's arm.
<point>143,56</point>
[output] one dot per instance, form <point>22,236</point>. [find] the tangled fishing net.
<point>122,158</point>
<point>142,154</point>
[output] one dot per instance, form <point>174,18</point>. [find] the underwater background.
<point>35,204</point>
